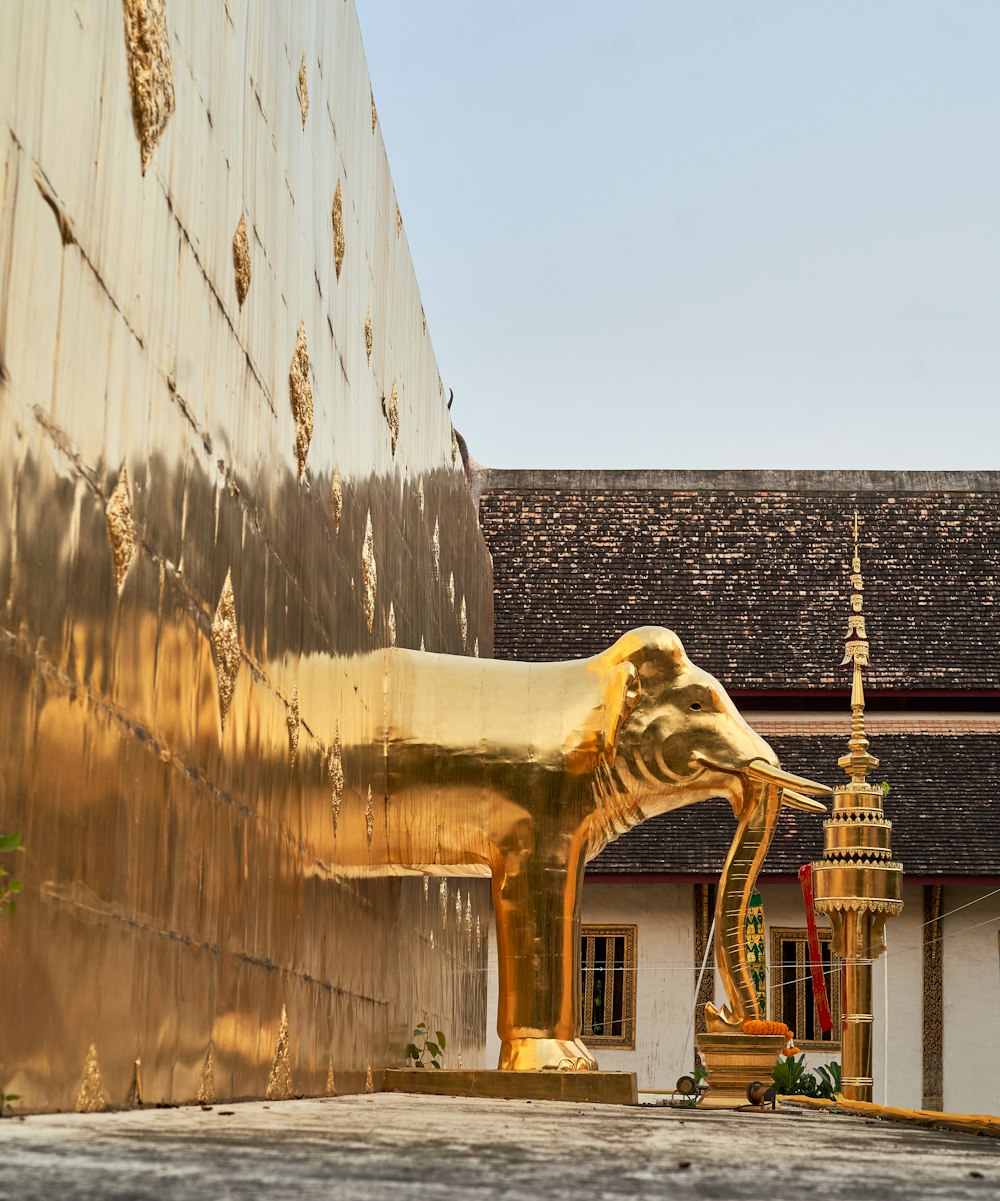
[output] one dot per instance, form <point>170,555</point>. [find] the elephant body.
<point>523,772</point>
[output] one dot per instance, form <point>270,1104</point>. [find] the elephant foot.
<point>545,1054</point>
<point>721,1021</point>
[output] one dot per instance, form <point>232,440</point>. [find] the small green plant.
<point>425,1052</point>
<point>9,887</point>
<point>791,1078</point>
<point>829,1079</point>
<point>7,1103</point>
<point>886,789</point>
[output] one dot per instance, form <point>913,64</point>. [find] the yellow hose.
<point>970,1123</point>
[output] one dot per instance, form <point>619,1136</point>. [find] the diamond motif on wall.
<point>292,721</point>
<point>121,529</point>
<point>337,215</point>
<point>150,72</point>
<point>390,411</point>
<point>279,1081</point>
<point>336,499</point>
<point>91,1097</point>
<point>226,647</point>
<point>335,771</point>
<point>303,90</point>
<point>369,572</point>
<point>241,260</point>
<point>301,397</point>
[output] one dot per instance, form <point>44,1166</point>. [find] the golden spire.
<point>857,762</point>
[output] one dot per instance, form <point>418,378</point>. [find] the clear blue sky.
<point>704,234</point>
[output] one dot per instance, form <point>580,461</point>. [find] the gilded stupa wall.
<point>227,473</point>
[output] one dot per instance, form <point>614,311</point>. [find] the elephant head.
<point>675,737</point>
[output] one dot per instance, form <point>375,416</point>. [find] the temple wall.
<point>212,509</point>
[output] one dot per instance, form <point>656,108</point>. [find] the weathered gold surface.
<point>856,882</point>
<point>180,879</point>
<point>598,1088</point>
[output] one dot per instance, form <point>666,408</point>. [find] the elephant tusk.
<point>795,800</point>
<point>774,775</point>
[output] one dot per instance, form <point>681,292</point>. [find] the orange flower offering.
<point>755,1026</point>
<point>791,1052</point>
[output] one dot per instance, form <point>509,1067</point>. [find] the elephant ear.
<point>621,695</point>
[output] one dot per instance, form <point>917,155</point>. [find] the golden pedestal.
<point>606,1088</point>
<point>734,1062</point>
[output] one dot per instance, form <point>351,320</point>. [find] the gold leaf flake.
<point>279,1080</point>
<point>451,588</point>
<point>300,394</point>
<point>436,547</point>
<point>338,229</point>
<point>91,1097</point>
<point>399,221</point>
<point>369,1082</point>
<point>121,529</point>
<point>374,113</point>
<point>420,496</point>
<point>463,624</point>
<point>392,624</point>
<point>150,72</point>
<point>423,319</point>
<point>390,412</point>
<point>292,721</point>
<point>337,499</point>
<point>427,887</point>
<point>440,386</point>
<point>369,337</point>
<point>335,771</point>
<point>479,935</point>
<point>303,90</point>
<point>458,907</point>
<point>206,1087</point>
<point>422,647</point>
<point>369,572</point>
<point>331,1081</point>
<point>226,646</point>
<point>370,816</point>
<point>475,648</point>
<point>468,924</point>
<point>241,260</point>
<point>443,901</point>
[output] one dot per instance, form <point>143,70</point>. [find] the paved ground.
<point>390,1146</point>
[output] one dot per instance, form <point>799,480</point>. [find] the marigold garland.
<point>756,1026</point>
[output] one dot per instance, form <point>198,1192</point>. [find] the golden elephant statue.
<point>525,771</point>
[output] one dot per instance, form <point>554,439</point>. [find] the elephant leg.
<point>537,908</point>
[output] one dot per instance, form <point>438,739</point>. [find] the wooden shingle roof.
<point>751,570</point>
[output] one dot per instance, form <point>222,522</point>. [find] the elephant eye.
<point>696,705</point>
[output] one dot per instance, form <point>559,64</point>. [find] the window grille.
<point>608,985</point>
<point>791,994</point>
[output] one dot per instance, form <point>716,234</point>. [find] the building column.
<point>933,1002</point>
<point>704,907</point>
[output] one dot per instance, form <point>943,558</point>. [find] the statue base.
<point>733,1063</point>
<point>602,1088</point>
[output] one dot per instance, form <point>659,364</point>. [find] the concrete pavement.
<point>393,1146</point>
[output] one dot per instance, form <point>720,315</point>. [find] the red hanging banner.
<point>815,956</point>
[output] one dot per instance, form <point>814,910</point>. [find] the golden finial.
<point>858,762</point>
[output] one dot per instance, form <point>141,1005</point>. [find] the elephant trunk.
<point>762,800</point>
